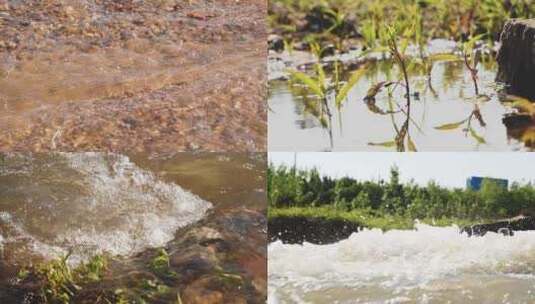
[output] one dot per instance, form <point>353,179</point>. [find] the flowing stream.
<point>129,207</point>
<point>425,265</point>
<point>88,203</point>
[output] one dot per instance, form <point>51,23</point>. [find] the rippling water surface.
<point>88,203</point>
<point>448,98</point>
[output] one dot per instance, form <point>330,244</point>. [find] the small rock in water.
<point>506,231</point>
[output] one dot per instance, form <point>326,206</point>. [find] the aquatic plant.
<point>397,49</point>
<point>160,264</point>
<point>324,89</point>
<point>470,60</point>
<point>61,282</point>
<point>467,123</point>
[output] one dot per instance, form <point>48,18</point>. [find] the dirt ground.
<point>153,76</point>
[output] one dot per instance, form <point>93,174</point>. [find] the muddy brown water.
<point>356,127</point>
<point>206,209</point>
<point>157,76</point>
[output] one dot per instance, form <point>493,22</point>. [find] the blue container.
<point>475,182</point>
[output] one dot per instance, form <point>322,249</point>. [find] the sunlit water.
<point>291,127</point>
<point>124,205</point>
<point>88,203</point>
<point>426,265</point>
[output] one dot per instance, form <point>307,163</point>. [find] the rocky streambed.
<point>157,76</point>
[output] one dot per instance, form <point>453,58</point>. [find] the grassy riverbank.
<point>366,218</point>
<point>390,204</point>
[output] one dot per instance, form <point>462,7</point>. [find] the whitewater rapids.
<point>425,265</point>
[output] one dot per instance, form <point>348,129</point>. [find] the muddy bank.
<point>296,230</point>
<point>506,227</point>
<point>153,76</point>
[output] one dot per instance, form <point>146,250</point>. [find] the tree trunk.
<point>516,58</point>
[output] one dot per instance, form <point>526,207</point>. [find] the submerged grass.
<point>366,218</point>
<point>61,281</point>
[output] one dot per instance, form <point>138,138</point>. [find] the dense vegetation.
<point>292,191</point>
<point>450,19</point>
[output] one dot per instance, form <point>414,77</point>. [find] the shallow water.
<point>89,203</point>
<point>206,209</point>
<point>426,265</point>
<point>144,76</point>
<point>355,127</point>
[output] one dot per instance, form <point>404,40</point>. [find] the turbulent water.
<point>87,203</point>
<point>426,265</point>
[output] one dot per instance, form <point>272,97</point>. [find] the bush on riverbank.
<point>384,199</point>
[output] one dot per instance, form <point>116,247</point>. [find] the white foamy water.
<point>427,265</point>
<point>89,203</point>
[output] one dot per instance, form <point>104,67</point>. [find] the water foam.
<point>98,202</point>
<point>397,261</point>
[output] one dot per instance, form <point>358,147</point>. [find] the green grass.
<point>450,19</point>
<point>61,282</point>
<point>365,218</point>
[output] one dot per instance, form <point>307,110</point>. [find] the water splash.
<point>89,203</point>
<point>399,266</point>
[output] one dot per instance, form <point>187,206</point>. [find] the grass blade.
<point>344,91</point>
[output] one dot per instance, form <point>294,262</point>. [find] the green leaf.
<point>411,145</point>
<point>450,126</point>
<point>522,104</point>
<point>444,57</point>
<point>321,76</point>
<point>375,89</point>
<point>344,91</point>
<point>308,81</point>
<point>403,46</point>
<point>479,139</point>
<point>387,144</point>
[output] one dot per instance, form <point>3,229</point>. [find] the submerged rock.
<point>296,230</point>
<point>505,227</point>
<point>516,57</point>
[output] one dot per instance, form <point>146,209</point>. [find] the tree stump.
<point>516,58</point>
